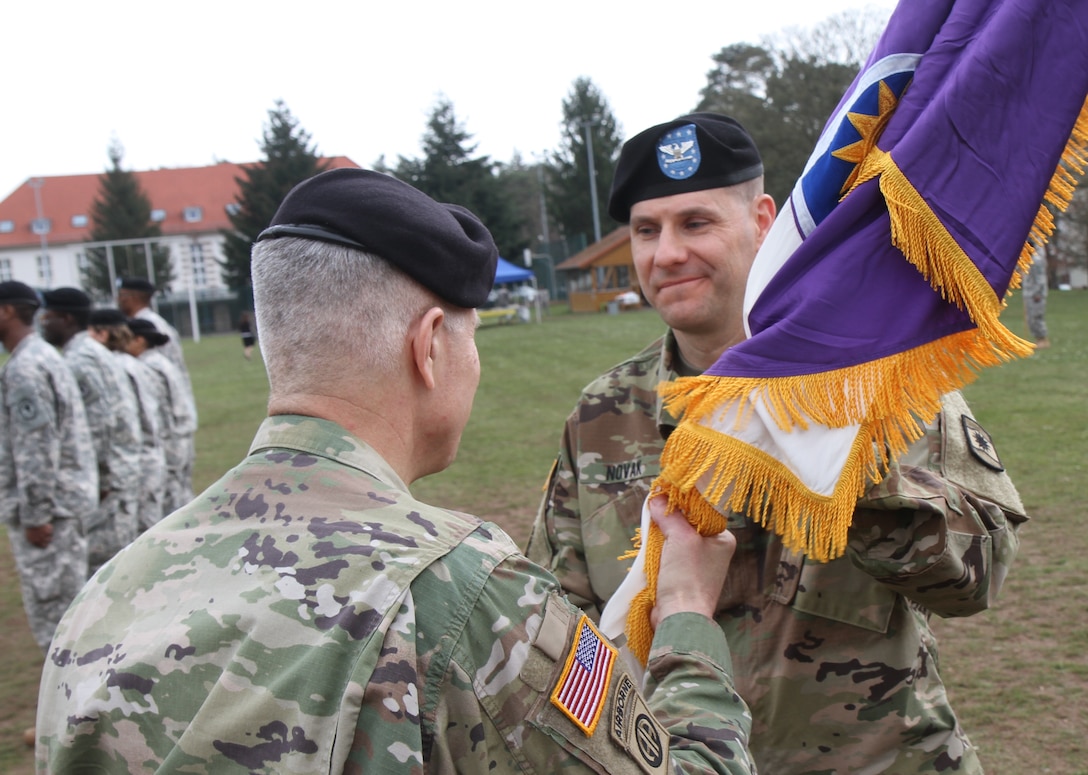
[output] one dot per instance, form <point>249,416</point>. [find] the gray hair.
<point>320,306</point>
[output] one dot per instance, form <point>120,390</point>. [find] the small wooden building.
<point>597,275</point>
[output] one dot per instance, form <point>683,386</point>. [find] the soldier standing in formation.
<point>48,470</point>
<point>109,328</point>
<point>175,412</point>
<point>112,415</point>
<point>837,660</point>
<point>307,613</point>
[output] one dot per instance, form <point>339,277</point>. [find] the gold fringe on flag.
<point>888,398</point>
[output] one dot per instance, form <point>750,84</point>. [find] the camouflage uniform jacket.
<point>112,413</point>
<point>172,350</point>
<point>837,660</point>
<point>305,614</point>
<point>47,463</point>
<point>152,456</point>
<point>176,413</point>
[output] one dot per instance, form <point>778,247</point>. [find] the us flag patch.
<point>583,684</point>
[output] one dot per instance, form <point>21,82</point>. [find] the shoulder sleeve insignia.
<point>980,444</point>
<point>583,683</point>
<point>635,729</point>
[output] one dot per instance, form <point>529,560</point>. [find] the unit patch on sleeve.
<point>980,444</point>
<point>635,729</point>
<point>583,684</point>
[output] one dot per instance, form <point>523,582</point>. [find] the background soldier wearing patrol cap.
<point>109,328</point>
<point>176,417</point>
<point>48,474</point>
<point>306,613</point>
<point>112,415</point>
<point>836,660</point>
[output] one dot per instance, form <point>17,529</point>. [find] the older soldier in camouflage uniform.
<point>176,416</point>
<point>836,660</point>
<point>48,476</point>
<point>307,614</point>
<point>109,328</point>
<point>114,419</point>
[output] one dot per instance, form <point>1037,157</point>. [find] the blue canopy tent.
<point>508,273</point>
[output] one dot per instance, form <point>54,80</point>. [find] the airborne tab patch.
<point>583,684</point>
<point>980,444</point>
<point>636,730</point>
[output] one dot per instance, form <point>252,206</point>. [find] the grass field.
<point>1018,674</point>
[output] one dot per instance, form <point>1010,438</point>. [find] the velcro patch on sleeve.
<point>635,729</point>
<point>583,683</point>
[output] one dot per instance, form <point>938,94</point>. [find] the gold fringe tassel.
<point>886,397</point>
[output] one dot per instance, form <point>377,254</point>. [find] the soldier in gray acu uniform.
<point>48,475</point>
<point>836,660</point>
<point>114,419</point>
<point>307,614</point>
<point>108,327</point>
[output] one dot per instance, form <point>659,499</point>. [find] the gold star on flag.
<point>869,127</point>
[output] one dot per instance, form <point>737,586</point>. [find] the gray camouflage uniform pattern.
<point>173,352</point>
<point>837,661</point>
<point>178,418</point>
<point>152,457</point>
<point>113,417</point>
<point>306,614</point>
<point>48,475</point>
<point>1034,290</point>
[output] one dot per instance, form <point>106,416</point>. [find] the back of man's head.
<point>350,259</point>
<point>690,153</point>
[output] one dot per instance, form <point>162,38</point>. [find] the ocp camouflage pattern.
<point>306,614</point>
<point>837,660</point>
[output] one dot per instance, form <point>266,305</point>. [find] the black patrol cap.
<point>690,153</point>
<point>107,316</point>
<point>443,247</point>
<point>67,300</point>
<point>141,284</point>
<point>15,292</point>
<point>146,330</point>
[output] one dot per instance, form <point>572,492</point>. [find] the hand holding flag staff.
<point>881,283</point>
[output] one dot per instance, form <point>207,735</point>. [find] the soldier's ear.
<point>423,343</point>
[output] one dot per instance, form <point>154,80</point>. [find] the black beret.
<point>107,316</point>
<point>15,292</point>
<point>443,247</point>
<point>146,329</point>
<point>135,284</point>
<point>67,300</point>
<point>690,153</point>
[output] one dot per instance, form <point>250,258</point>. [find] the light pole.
<point>586,124</point>
<point>36,184</point>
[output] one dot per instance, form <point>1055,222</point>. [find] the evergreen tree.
<point>289,158</point>
<point>568,183</point>
<point>122,211</point>
<point>784,90</point>
<point>449,172</point>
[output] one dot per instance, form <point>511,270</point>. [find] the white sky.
<point>190,83</point>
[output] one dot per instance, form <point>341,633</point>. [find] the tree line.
<point>782,90</point>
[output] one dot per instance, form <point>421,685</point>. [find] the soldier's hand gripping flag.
<point>880,285</point>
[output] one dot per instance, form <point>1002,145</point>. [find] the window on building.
<point>7,227</point>
<point>158,215</point>
<point>5,270</point>
<point>41,225</point>
<point>79,221</point>
<point>233,208</point>
<point>196,260</point>
<point>45,270</point>
<point>82,262</point>
<point>193,214</point>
